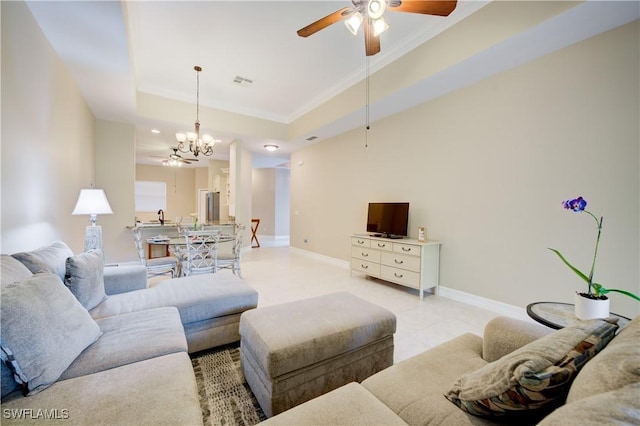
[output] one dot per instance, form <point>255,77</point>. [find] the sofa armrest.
<point>124,278</point>
<point>503,335</point>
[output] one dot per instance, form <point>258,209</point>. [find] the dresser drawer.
<point>360,242</point>
<point>382,245</point>
<point>406,249</point>
<point>364,253</point>
<point>366,267</point>
<point>400,276</point>
<point>402,261</point>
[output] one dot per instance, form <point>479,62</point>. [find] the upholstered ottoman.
<point>297,351</point>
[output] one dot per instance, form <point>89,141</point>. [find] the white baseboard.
<point>457,295</point>
<point>333,260</point>
<point>482,302</point>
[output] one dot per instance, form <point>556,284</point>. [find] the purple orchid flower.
<point>577,204</point>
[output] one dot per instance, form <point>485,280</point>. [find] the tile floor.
<point>282,274</point>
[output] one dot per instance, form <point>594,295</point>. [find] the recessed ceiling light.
<point>271,147</point>
<point>155,131</point>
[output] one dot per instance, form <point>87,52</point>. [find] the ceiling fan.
<point>370,13</point>
<point>175,159</point>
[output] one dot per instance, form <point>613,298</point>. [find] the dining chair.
<point>157,265</point>
<point>201,252</point>
<point>232,260</point>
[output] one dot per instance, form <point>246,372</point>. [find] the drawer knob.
<point>365,254</point>
<point>365,266</point>
<point>406,248</point>
<point>399,262</point>
<point>360,242</point>
<point>398,275</point>
<point>381,245</point>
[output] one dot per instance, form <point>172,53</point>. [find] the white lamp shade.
<point>375,8</point>
<point>92,201</point>
<point>379,26</point>
<point>354,22</point>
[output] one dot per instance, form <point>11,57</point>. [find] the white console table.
<point>404,261</point>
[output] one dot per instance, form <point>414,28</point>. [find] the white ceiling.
<point>115,49</point>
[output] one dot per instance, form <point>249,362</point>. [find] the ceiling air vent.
<point>242,81</point>
<point>310,138</point>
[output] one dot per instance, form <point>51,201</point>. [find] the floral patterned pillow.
<point>535,376</point>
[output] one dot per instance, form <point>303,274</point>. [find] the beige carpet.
<point>225,397</point>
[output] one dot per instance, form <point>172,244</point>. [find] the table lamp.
<point>92,202</point>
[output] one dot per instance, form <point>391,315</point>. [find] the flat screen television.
<point>388,220</point>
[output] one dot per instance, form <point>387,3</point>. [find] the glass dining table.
<point>176,245</point>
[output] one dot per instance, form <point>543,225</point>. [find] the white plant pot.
<point>587,309</point>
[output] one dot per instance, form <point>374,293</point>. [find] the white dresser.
<point>406,262</point>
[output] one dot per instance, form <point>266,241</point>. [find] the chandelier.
<point>197,144</point>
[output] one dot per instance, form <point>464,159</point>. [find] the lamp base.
<point>93,238</point>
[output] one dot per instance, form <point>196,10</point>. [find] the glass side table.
<point>559,315</point>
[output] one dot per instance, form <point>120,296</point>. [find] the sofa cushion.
<point>413,388</point>
<point>616,366</point>
<point>533,377</point>
<point>198,298</point>
<point>350,404</point>
<point>616,407</point>
<point>44,328</point>
<point>84,277</point>
<point>124,278</point>
<point>8,384</point>
<point>130,338</point>
<point>12,270</point>
<point>157,391</point>
<point>51,258</point>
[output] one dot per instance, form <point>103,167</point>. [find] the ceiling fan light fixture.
<point>172,163</point>
<point>271,147</point>
<point>376,8</point>
<point>379,26</point>
<point>353,22</point>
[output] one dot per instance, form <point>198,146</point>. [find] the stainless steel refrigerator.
<point>213,207</point>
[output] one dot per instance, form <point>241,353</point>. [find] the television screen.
<point>388,219</point>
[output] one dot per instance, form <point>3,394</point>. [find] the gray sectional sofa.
<point>517,373</point>
<point>86,350</point>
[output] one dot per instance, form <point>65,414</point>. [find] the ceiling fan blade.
<point>427,7</point>
<point>322,23</point>
<point>371,42</point>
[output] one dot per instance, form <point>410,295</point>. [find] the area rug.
<point>225,397</point>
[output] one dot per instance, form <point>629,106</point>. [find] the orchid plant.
<point>594,290</point>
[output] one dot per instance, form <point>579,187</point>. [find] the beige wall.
<point>115,173</point>
<point>263,200</point>
<point>485,169</point>
<point>181,189</point>
<point>270,201</point>
<point>48,140</point>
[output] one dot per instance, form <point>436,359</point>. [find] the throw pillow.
<point>44,328</point>
<point>51,258</point>
<point>534,377</point>
<point>12,270</point>
<point>85,278</point>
